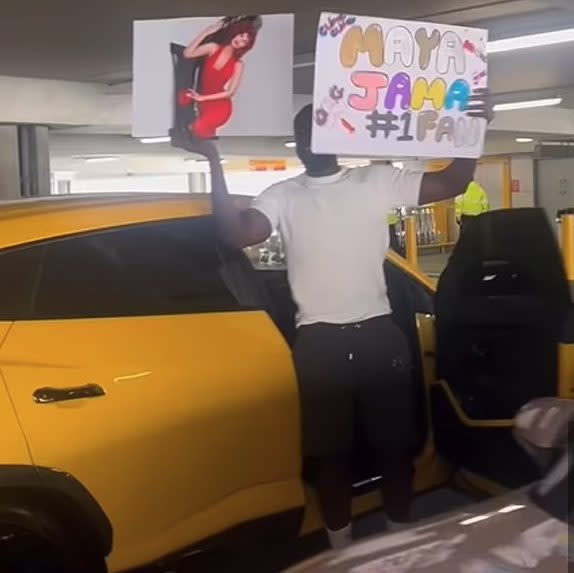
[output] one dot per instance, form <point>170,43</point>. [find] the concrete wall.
<point>239,182</point>
<point>555,185</point>
<point>490,176</point>
<point>522,171</point>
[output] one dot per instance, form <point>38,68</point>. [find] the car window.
<point>18,277</point>
<point>157,268</point>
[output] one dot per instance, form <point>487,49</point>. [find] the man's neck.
<point>324,172</point>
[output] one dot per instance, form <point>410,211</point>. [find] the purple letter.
<point>400,86</point>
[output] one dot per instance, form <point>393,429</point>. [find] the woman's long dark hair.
<point>233,26</point>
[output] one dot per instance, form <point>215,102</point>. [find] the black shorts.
<point>350,375</point>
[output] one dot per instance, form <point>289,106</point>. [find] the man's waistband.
<point>368,323</point>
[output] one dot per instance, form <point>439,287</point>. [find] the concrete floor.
<point>275,559</point>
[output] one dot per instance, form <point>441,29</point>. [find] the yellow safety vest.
<point>392,219</point>
<point>473,202</point>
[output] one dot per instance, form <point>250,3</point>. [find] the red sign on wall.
<point>267,165</point>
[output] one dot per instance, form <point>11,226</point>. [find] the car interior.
<point>500,307</point>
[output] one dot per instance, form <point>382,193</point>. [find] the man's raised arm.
<point>448,183</point>
<point>237,228</point>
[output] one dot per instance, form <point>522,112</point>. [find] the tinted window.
<point>160,268</point>
<point>18,277</point>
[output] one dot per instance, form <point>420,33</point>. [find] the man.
<point>352,363</point>
<point>473,202</point>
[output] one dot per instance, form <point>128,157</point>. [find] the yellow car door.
<point>135,370</point>
<point>14,451</point>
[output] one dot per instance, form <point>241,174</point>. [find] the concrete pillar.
<point>24,161</point>
<point>197,182</point>
<point>34,151</point>
<point>9,163</point>
<point>63,187</point>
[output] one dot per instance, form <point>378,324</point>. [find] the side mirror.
<point>541,428</point>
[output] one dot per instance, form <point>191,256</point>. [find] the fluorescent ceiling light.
<point>528,104</point>
<point>476,519</point>
<point>399,164</point>
<point>204,161</point>
<point>511,508</point>
<point>531,41</point>
<point>290,144</point>
<point>524,140</point>
<point>558,143</point>
<point>101,159</point>
<point>155,139</point>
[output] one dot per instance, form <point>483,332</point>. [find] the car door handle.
<point>51,395</point>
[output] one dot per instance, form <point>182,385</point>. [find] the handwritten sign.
<point>397,88</point>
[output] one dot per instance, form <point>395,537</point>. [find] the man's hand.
<point>481,105</point>
<point>454,180</point>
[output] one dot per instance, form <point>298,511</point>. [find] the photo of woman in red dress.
<point>222,47</point>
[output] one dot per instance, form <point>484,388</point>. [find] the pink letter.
<point>371,82</point>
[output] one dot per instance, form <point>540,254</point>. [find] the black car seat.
<point>500,306</point>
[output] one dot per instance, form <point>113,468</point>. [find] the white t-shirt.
<point>335,236</point>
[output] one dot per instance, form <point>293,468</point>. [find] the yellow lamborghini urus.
<point>148,400</point>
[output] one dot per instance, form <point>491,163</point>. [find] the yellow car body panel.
<point>14,448</point>
<point>566,370</point>
<point>186,397</point>
<point>40,219</point>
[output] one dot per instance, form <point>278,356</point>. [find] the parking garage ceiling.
<point>91,41</point>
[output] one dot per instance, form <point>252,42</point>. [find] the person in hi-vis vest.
<point>473,202</point>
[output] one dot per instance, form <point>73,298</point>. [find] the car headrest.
<point>506,254</point>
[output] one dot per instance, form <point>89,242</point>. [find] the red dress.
<point>215,113</point>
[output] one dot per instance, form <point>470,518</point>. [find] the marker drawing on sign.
<point>477,77</point>
<point>399,87</point>
<point>348,127</point>
<point>472,49</point>
<point>330,107</point>
<point>335,25</point>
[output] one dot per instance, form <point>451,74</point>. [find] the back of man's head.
<point>315,164</point>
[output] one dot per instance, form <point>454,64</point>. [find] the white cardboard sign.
<point>397,88</point>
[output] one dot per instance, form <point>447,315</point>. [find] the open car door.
<point>500,309</point>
